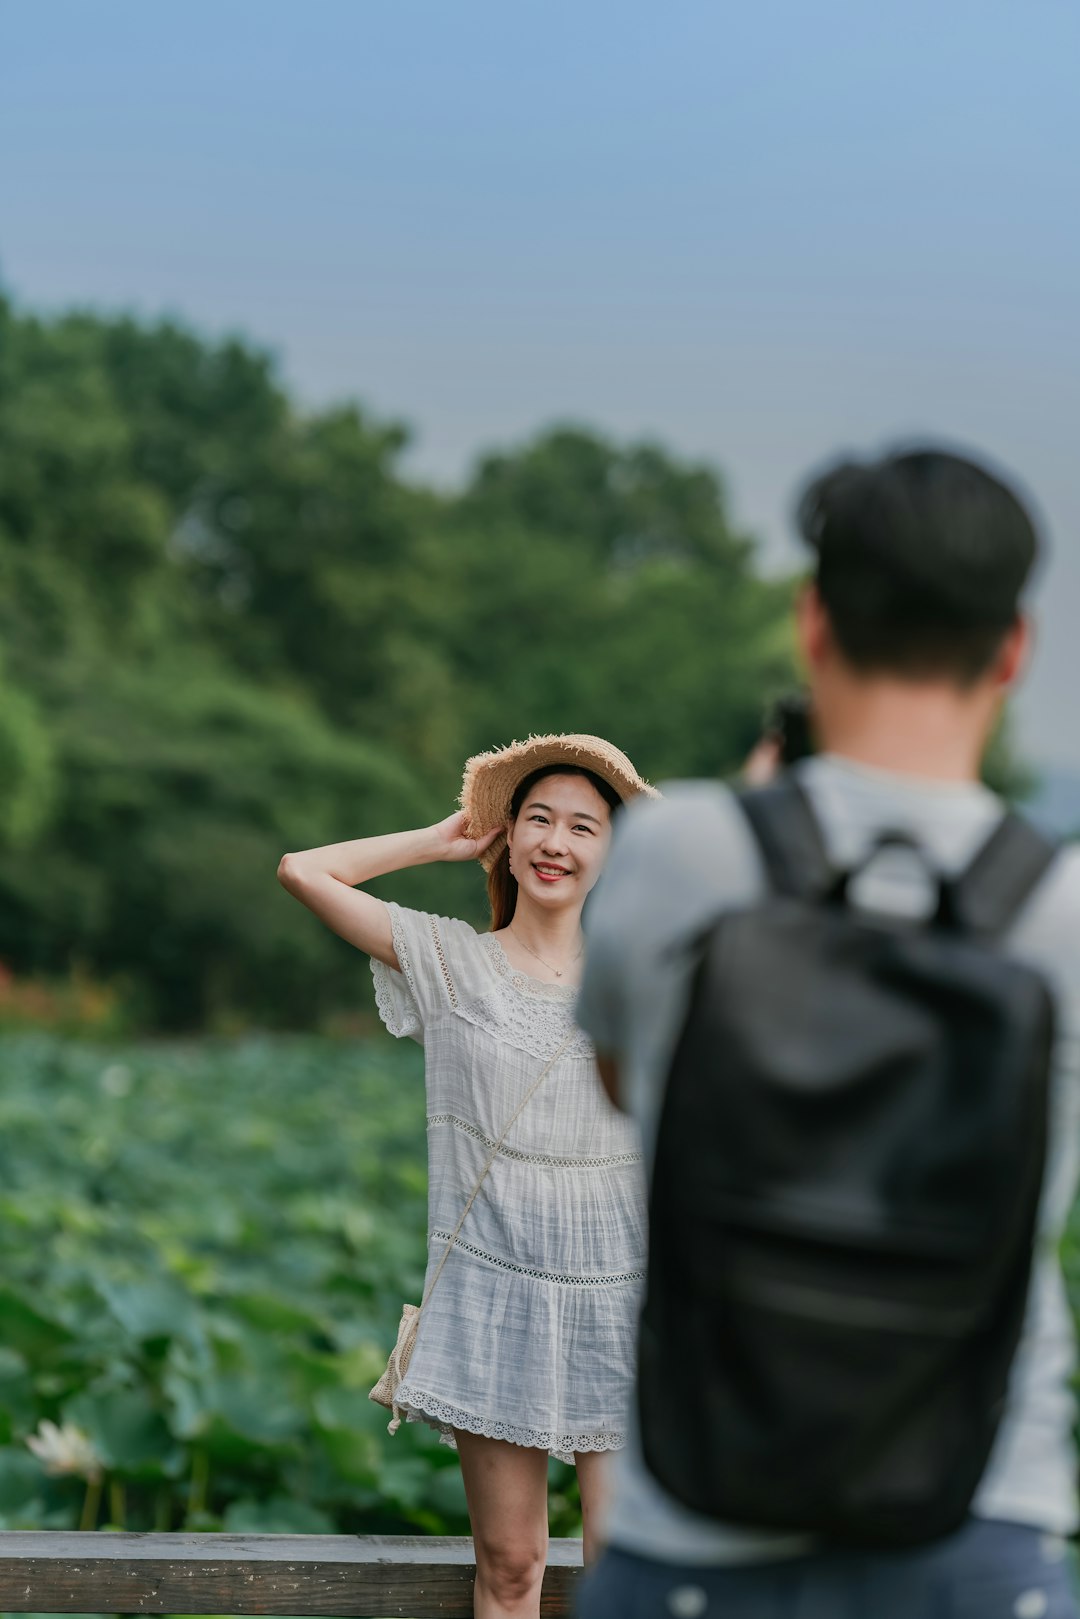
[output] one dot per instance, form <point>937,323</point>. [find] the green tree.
<point>231,627</point>
<point>603,589</point>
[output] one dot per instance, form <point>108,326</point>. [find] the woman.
<point>525,1346</point>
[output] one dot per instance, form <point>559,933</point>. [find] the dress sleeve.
<point>432,953</point>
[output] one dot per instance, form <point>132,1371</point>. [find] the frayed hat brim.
<point>491,779</point>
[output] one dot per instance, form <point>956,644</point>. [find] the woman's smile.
<point>549,873</point>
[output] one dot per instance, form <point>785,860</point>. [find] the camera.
<point>788,723</point>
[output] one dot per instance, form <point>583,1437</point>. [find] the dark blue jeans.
<point>985,1571</point>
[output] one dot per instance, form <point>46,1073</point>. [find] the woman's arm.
<point>325,880</point>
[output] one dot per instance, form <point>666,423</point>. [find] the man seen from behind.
<point>912,633</point>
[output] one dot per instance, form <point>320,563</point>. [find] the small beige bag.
<point>385,1390</point>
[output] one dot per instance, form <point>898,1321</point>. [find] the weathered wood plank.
<point>53,1571</point>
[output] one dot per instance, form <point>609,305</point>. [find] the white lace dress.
<point>530,1333</point>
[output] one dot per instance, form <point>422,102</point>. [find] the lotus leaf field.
<point>203,1252</point>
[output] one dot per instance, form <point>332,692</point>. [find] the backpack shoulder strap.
<point>1008,867</point>
<point>783,822</point>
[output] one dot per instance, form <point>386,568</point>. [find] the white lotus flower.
<point>116,1080</point>
<point>66,1449</point>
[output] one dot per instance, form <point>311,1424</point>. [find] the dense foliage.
<point>204,1248</point>
<point>229,628</point>
<point>204,1252</point>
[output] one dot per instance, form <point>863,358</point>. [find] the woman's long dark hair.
<point>502,884</point>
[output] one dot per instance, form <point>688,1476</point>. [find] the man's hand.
<point>609,1076</point>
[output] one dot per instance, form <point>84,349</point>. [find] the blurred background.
<point>380,382</point>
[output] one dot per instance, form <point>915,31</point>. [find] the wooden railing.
<point>53,1571</point>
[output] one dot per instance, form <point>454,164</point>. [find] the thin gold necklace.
<point>558,971</point>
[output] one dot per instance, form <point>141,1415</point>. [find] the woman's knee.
<point>510,1567</point>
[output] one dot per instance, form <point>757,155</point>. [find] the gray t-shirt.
<point>677,863</point>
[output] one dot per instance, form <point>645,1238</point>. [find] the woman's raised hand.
<point>454,842</point>
<point>329,880</point>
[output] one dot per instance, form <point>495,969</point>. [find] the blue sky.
<point>760,233</point>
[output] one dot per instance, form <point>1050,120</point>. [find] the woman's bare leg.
<point>592,1477</point>
<point>506,1488</point>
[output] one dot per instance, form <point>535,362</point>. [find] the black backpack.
<point>846,1181</point>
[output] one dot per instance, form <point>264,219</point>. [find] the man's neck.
<point>933,732</point>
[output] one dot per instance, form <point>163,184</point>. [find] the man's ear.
<point>1015,652</point>
<point>812,627</point>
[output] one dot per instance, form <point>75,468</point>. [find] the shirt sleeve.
<point>430,951</point>
<point>674,866</point>
<point>618,937</point>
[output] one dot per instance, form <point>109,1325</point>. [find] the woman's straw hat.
<point>492,778</point>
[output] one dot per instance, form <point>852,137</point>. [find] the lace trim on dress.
<point>530,1023</point>
<point>524,981</point>
<point>401,943</point>
<point>420,1406</point>
<point>547,1159</point>
<point>407,1022</point>
<point>560,1279</point>
<point>399,1020</point>
<point>437,940</point>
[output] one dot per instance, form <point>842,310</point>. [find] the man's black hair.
<point>921,560</point>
